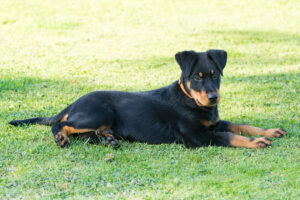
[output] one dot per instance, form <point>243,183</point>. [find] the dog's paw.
<point>261,142</point>
<point>62,140</point>
<point>108,139</point>
<point>275,132</point>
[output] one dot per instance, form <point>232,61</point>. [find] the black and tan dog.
<point>184,112</point>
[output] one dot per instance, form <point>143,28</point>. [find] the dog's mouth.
<point>210,104</point>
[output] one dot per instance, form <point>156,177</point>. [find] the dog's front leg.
<point>225,126</point>
<point>233,140</point>
<point>226,139</point>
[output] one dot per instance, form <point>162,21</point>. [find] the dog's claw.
<point>275,132</point>
<point>280,134</point>
<point>282,129</point>
<point>262,142</point>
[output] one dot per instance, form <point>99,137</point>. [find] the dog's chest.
<point>208,120</point>
<point>208,123</point>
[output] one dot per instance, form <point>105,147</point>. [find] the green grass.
<point>130,46</point>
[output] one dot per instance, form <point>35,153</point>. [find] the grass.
<point>129,45</point>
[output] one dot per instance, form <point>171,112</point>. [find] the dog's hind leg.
<point>81,123</point>
<point>106,134</point>
<point>61,132</point>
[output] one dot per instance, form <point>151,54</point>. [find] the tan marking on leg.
<point>105,127</point>
<point>242,129</point>
<point>254,131</point>
<point>62,137</point>
<point>201,74</point>
<point>68,130</point>
<point>102,128</point>
<point>255,143</point>
<point>212,72</point>
<point>65,118</point>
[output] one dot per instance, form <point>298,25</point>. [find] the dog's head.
<point>201,73</point>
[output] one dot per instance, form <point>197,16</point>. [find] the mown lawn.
<point>54,51</point>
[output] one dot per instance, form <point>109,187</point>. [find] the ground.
<point>52,52</point>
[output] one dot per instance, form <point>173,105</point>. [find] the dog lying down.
<point>184,112</point>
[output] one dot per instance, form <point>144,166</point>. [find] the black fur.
<point>219,57</point>
<point>41,120</point>
<point>165,115</point>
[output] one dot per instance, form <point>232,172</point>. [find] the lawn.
<point>52,52</point>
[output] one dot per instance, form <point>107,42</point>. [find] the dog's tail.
<point>41,120</point>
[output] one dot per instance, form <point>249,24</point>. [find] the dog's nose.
<point>212,97</point>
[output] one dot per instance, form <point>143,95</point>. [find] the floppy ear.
<point>219,57</point>
<point>186,60</point>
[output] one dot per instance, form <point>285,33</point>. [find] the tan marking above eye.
<point>200,74</point>
<point>212,72</point>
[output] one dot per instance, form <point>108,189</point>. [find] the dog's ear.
<point>186,60</point>
<point>219,57</point>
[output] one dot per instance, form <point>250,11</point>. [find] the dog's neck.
<point>183,89</point>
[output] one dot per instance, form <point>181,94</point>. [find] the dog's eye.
<point>197,78</point>
<point>215,77</point>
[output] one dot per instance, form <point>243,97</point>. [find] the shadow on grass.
<point>260,59</point>
<point>273,39</point>
<point>278,78</point>
<point>254,36</point>
<point>22,84</point>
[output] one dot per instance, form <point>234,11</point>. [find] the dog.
<point>185,112</point>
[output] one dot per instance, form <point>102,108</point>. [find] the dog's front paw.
<point>62,140</point>
<point>275,132</point>
<point>261,142</point>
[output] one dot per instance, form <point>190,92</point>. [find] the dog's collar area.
<point>183,89</point>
